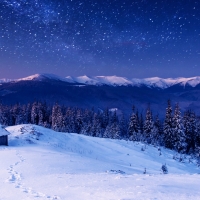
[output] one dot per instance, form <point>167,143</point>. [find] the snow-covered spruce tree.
<point>141,124</point>
<point>8,115</point>
<point>123,127</point>
<point>34,114</point>
<point>47,113</point>
<point>116,131</point>
<point>190,129</point>
<point>148,127</point>
<point>20,116</point>
<point>157,132</point>
<point>23,119</point>
<point>168,127</point>
<point>110,128</point>
<point>86,122</point>
<point>78,121</point>
<point>16,114</point>
<point>105,118</point>
<point>41,113</point>
<point>57,118</point>
<point>197,142</point>
<point>96,130</point>
<point>178,132</point>
<point>27,114</point>
<point>69,120</point>
<point>113,128</point>
<point>112,131</point>
<point>133,127</point>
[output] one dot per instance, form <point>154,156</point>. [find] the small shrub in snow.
<point>117,171</point>
<point>142,149</point>
<point>164,169</point>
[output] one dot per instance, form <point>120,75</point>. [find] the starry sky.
<point>128,38</point>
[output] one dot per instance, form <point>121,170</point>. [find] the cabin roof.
<point>3,131</point>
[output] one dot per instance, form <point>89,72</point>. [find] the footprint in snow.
<point>55,197</point>
<point>15,178</point>
<point>16,163</point>
<point>19,185</point>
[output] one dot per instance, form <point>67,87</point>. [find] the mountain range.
<point>104,91</point>
<point>113,80</point>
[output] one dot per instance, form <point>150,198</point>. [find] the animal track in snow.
<point>16,179</point>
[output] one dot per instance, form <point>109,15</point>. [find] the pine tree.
<point>78,121</point>
<point>157,132</point>
<point>4,115</point>
<point>168,127</point>
<point>141,124</point>
<point>178,132</point>
<point>69,120</point>
<point>34,114</point>
<point>27,114</point>
<point>105,118</point>
<point>57,118</point>
<point>113,130</point>
<point>40,114</point>
<point>133,128</point>
<point>148,127</point>
<point>190,129</point>
<point>96,127</point>
<point>116,132</point>
<point>123,127</point>
<point>197,141</point>
<point>87,122</point>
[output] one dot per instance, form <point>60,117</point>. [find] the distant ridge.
<point>155,82</point>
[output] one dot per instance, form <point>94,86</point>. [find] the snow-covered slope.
<point>40,77</point>
<point>100,80</point>
<point>116,81</point>
<point>5,80</point>
<point>42,164</point>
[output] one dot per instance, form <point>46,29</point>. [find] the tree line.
<point>177,132</point>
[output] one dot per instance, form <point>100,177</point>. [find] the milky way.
<point>105,37</point>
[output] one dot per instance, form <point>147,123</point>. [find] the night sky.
<point>135,39</point>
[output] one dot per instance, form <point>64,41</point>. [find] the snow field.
<point>42,164</point>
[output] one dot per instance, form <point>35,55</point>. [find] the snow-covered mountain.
<point>5,80</point>
<point>156,82</point>
<point>122,81</point>
<point>43,164</point>
<point>103,92</point>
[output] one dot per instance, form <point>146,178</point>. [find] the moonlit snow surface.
<point>42,164</point>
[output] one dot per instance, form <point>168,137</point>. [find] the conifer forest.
<point>177,131</point>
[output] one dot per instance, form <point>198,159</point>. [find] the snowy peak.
<point>154,82</point>
<point>102,80</point>
<point>114,80</point>
<point>40,77</point>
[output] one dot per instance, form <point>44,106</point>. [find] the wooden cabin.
<point>3,136</point>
